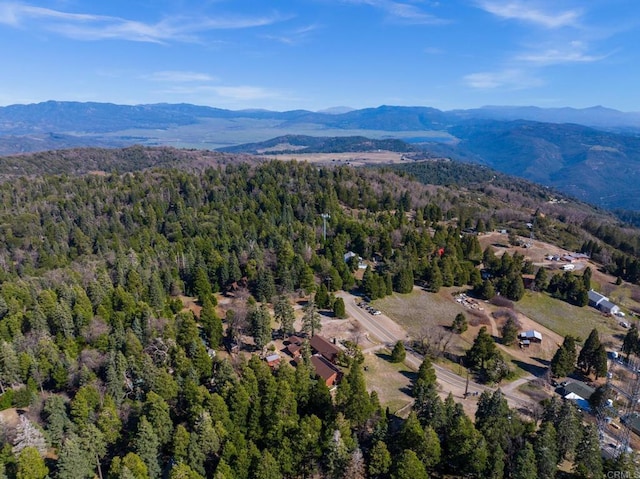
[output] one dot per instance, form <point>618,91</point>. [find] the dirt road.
<point>389,332</point>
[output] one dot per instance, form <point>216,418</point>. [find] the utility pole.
<point>325,216</point>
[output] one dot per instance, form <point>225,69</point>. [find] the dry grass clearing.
<point>419,308</point>
<point>391,381</point>
<point>428,315</point>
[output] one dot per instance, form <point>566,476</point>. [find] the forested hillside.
<point>116,379</point>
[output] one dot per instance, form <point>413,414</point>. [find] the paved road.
<point>449,380</point>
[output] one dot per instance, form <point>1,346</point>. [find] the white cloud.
<point>525,11</point>
<point>180,77</point>
<point>99,27</point>
<point>511,79</point>
<point>574,52</point>
<point>403,12</point>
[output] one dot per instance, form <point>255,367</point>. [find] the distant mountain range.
<point>592,154</point>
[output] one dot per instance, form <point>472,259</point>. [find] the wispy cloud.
<point>402,12</point>
<point>172,76</point>
<point>83,26</point>
<point>244,93</point>
<point>293,37</point>
<point>527,12</point>
<point>225,92</point>
<point>511,79</point>
<point>574,52</point>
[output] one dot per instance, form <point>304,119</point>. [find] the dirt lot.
<point>353,159</point>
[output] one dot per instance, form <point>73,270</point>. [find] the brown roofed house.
<point>322,346</point>
<point>324,369</point>
<point>295,350</point>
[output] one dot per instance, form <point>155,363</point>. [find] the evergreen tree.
<point>156,410</point>
<point>586,278</point>
<point>284,315</point>
<point>379,460</point>
<point>564,360</point>
<point>339,309</point>
<point>73,461</point>
<point>509,331</point>
<point>30,464</point>
<point>311,318</point>
<point>409,466</point>
<point>56,420</point>
<point>459,324</point>
<point>260,320</point>
<point>267,467</point>
<point>147,447</point>
<point>265,285</point>
<point>354,399</point>
<point>434,276</point>
<point>568,427</point>
<point>631,342</point>
<point>182,471</point>
<point>599,361</point>
<point>587,356</point>
<point>525,463</point>
<point>423,441</point>
<point>545,448</point>
<point>427,403</point>
<point>588,461</point>
<point>201,285</point>
<point>211,324</point>
<point>483,350</point>
<point>487,291</point>
<point>465,450</point>
<point>399,353</point>
<point>541,280</point>
<point>322,297</point>
<point>404,280</point>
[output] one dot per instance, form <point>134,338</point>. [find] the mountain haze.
<point>592,154</point>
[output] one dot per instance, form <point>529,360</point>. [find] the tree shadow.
<point>411,375</point>
<point>383,356</point>
<point>537,371</point>
<point>544,362</point>
<point>407,390</point>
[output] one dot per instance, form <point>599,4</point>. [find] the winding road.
<point>389,332</point>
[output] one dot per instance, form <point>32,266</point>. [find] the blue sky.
<point>315,54</point>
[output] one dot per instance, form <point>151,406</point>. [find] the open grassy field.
<point>564,318</point>
<point>419,308</point>
<point>427,315</point>
<point>392,381</point>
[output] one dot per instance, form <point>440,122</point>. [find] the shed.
<point>596,298</point>
<point>532,335</point>
<point>608,307</point>
<point>348,255</point>
<point>273,360</point>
